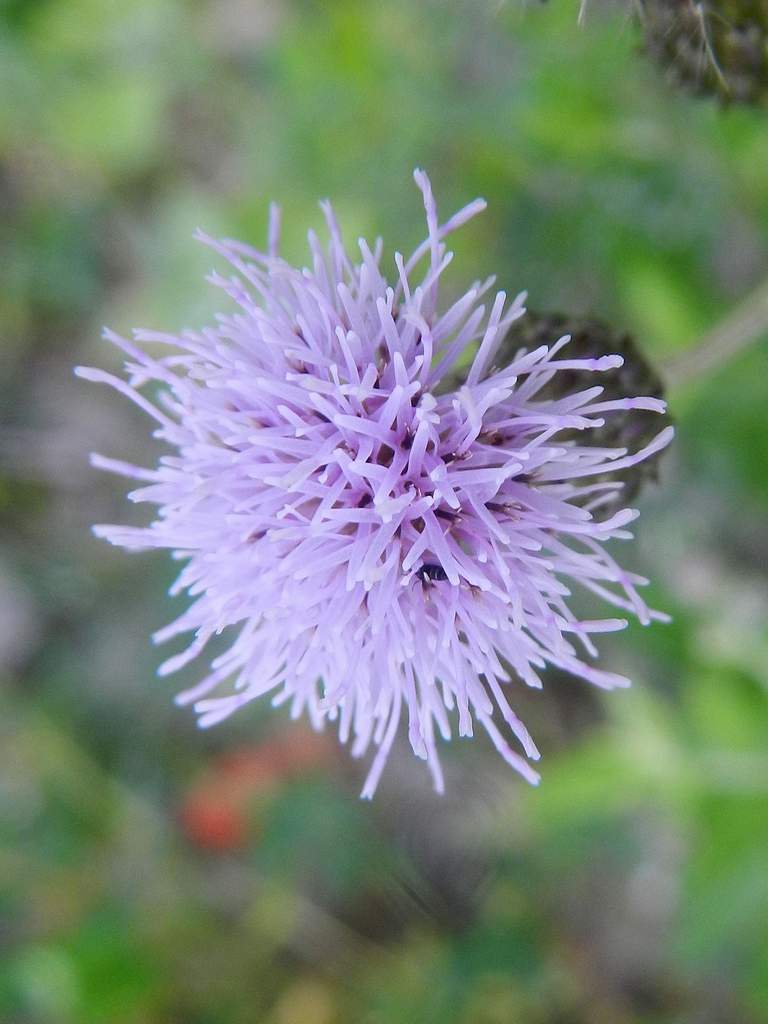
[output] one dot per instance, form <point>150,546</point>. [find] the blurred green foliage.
<point>633,885</point>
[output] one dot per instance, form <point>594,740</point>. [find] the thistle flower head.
<point>383,544</point>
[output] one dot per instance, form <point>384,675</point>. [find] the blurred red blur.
<point>220,812</point>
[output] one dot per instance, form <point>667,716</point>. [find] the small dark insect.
<point>431,573</point>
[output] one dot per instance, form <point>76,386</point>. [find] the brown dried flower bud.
<point>712,47</point>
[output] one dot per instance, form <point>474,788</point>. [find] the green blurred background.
<point>151,874</point>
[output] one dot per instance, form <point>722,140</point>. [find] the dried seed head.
<point>711,48</point>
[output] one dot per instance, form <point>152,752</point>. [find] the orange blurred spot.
<point>210,822</point>
<point>218,811</point>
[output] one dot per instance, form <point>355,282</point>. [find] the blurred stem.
<point>743,326</point>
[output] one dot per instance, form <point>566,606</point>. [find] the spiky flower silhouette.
<point>380,546</point>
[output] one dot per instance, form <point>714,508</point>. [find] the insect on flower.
<point>381,541</point>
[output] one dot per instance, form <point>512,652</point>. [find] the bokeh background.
<point>152,874</point>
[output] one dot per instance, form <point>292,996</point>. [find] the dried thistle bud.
<point>712,48</point>
<point>592,338</point>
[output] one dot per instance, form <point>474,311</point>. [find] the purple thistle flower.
<point>381,548</point>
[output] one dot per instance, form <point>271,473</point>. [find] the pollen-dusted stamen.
<point>381,539</point>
